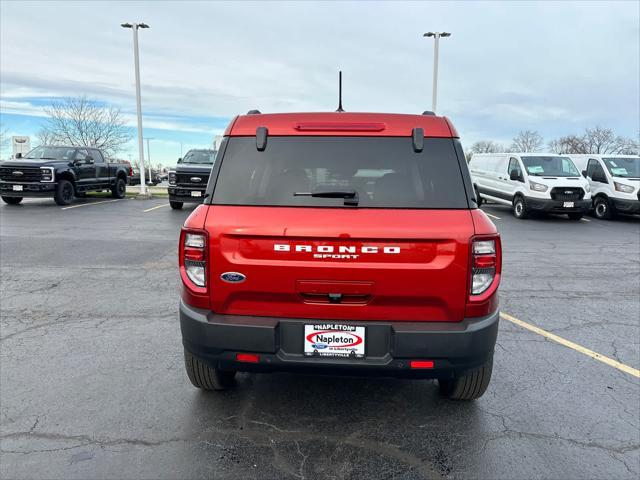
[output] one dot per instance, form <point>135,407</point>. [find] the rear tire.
<point>520,210</point>
<point>602,208</point>
<point>12,200</point>
<point>470,386</point>
<point>175,205</point>
<point>206,377</point>
<point>64,192</point>
<point>119,189</point>
<point>575,216</point>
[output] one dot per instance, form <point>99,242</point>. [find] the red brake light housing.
<point>485,269</point>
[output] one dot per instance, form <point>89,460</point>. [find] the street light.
<point>436,36</point>
<point>149,157</point>
<point>134,27</point>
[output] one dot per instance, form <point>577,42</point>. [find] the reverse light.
<point>46,174</point>
<point>194,240</point>
<point>621,187</point>
<point>172,178</point>
<point>538,187</point>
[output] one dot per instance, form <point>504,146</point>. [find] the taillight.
<point>193,261</point>
<point>485,270</point>
<point>130,171</point>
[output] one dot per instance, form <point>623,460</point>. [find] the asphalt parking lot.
<point>92,383</point>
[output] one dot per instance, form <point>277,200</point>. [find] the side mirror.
<point>180,160</point>
<point>598,177</point>
<point>89,160</point>
<point>584,173</point>
<point>18,155</point>
<point>514,175</point>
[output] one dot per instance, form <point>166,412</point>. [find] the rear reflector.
<point>421,364</point>
<point>247,357</point>
<point>340,127</point>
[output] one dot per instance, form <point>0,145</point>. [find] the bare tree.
<point>83,122</point>
<point>487,146</point>
<point>627,146</point>
<point>595,140</point>
<point>527,141</point>
<point>600,140</point>
<point>568,144</point>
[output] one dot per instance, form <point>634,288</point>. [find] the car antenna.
<point>340,109</point>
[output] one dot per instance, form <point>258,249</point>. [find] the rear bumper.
<point>33,189</point>
<point>626,206</point>
<point>557,206</point>
<point>183,194</point>
<point>453,347</point>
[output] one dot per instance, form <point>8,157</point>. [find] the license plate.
<point>196,194</point>
<point>334,340</point>
<point>568,204</point>
<point>17,188</point>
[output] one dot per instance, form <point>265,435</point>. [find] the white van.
<point>531,182</point>
<point>614,181</point>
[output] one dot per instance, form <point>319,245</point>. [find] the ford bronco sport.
<point>340,243</point>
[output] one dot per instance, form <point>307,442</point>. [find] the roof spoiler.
<point>428,112</point>
<point>254,112</point>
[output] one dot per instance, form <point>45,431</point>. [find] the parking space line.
<point>585,220</point>
<point>492,216</point>
<point>158,206</point>
<point>579,348</point>
<point>88,204</point>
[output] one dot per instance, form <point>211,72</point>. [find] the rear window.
<point>385,172</point>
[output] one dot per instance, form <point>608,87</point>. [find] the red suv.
<point>340,243</point>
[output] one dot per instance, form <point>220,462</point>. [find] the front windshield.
<point>550,166</point>
<point>51,153</point>
<point>628,167</point>
<point>203,157</point>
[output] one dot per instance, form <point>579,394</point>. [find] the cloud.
<point>506,67</point>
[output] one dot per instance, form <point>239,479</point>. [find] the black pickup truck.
<point>188,181</point>
<point>62,173</point>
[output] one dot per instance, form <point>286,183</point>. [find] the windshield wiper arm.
<point>350,196</point>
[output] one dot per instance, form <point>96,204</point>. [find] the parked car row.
<point>62,173</point>
<point>549,183</point>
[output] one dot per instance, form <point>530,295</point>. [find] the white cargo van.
<point>531,182</point>
<point>614,181</point>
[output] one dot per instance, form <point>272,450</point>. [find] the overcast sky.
<point>555,67</point>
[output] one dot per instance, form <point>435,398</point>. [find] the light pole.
<point>134,27</point>
<point>436,36</point>
<point>149,157</point>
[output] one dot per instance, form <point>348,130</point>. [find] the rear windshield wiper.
<point>350,196</point>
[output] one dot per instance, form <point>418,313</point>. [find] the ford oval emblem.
<point>17,173</point>
<point>195,179</point>
<point>233,277</point>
